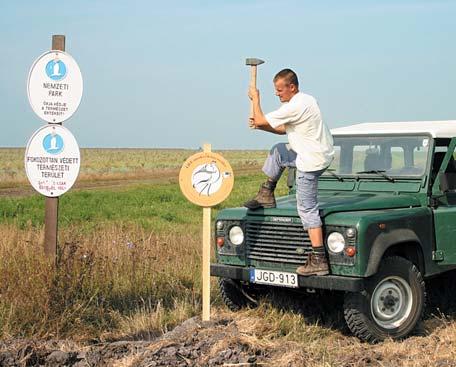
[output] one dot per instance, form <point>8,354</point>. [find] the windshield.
<point>394,155</point>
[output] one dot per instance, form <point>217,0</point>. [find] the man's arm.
<point>259,120</point>
<point>279,130</point>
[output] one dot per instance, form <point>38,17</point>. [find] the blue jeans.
<point>282,156</point>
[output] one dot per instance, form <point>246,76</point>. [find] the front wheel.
<point>391,306</point>
<point>236,295</point>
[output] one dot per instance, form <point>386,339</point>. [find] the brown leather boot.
<point>265,197</point>
<point>316,265</point>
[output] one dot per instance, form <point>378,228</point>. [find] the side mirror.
<point>291,177</point>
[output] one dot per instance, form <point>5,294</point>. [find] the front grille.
<point>277,242</point>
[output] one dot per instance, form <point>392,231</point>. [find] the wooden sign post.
<point>51,205</point>
<point>206,179</point>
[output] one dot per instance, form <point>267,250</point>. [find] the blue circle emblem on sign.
<point>53,143</point>
<point>56,69</point>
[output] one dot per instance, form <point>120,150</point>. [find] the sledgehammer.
<point>253,76</point>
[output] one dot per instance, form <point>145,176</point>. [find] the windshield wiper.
<point>378,172</point>
<point>330,171</point>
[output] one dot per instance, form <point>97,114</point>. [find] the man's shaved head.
<point>288,75</point>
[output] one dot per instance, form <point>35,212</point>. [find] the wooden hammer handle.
<point>253,78</point>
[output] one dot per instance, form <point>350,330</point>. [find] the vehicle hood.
<point>335,202</point>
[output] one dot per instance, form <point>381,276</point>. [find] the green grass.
<point>159,208</point>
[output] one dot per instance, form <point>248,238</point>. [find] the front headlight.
<point>336,242</point>
<point>236,235</point>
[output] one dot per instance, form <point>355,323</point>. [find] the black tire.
<point>235,295</point>
<point>392,305</point>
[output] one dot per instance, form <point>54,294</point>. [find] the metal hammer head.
<point>253,62</point>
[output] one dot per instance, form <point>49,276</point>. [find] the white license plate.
<point>279,278</point>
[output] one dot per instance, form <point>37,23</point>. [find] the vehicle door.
<point>444,204</point>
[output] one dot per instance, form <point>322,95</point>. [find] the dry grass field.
<point>122,164</point>
<point>128,268</point>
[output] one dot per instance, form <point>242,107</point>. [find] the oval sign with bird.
<point>206,179</point>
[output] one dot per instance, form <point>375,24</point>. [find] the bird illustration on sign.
<point>207,178</point>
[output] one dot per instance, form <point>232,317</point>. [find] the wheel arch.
<point>400,242</point>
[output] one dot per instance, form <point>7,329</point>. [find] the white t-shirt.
<point>309,137</point>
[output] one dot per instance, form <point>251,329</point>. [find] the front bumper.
<point>330,282</point>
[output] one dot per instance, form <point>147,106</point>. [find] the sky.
<point>172,74</point>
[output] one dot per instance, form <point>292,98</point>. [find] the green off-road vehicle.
<point>388,206</point>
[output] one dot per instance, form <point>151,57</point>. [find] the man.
<point>310,149</point>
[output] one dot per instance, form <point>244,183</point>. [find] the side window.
<point>439,154</point>
<point>451,167</point>
<point>449,178</point>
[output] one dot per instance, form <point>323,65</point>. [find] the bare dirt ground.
<point>191,344</point>
<point>232,341</point>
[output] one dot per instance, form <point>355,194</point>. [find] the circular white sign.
<point>54,86</point>
<point>207,179</point>
<point>52,160</point>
